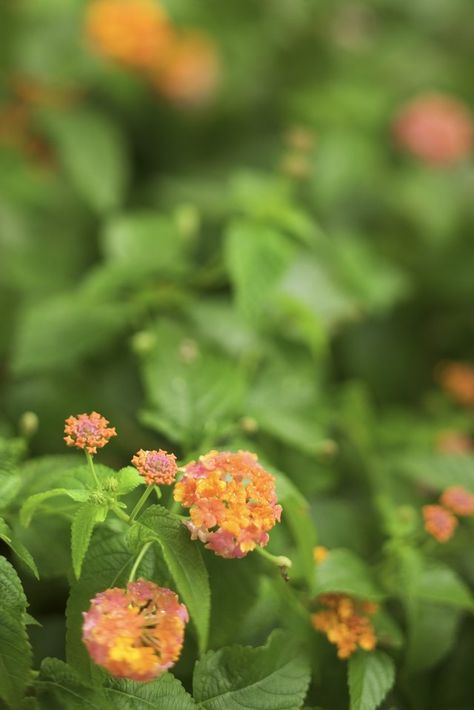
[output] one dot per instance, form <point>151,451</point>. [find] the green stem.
<point>278,560</point>
<point>140,557</point>
<point>141,502</point>
<point>90,461</point>
<point>122,515</point>
<point>175,507</point>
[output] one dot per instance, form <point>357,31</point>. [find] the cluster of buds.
<point>231,500</point>
<point>138,34</point>
<point>436,128</point>
<point>136,632</point>
<point>346,623</point>
<point>457,379</point>
<point>440,520</point>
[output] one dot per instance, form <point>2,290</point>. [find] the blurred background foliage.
<point>259,263</point>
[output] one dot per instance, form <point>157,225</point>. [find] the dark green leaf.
<point>83,523</point>
<point>370,676</point>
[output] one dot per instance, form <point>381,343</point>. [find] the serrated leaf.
<point>166,693</point>
<point>18,548</point>
<point>256,257</point>
<point>128,480</point>
<point>271,677</point>
<point>58,686</point>
<point>93,154</point>
<point>32,503</point>
<point>15,651</point>
<point>344,572</point>
<point>370,676</point>
<point>185,563</point>
<point>82,527</point>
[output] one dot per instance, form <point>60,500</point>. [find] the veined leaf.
<point>271,677</point>
<point>81,531</point>
<point>15,651</point>
<point>344,572</point>
<point>33,502</point>
<point>370,676</point>
<point>185,563</point>
<point>6,534</point>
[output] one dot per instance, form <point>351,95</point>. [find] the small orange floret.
<point>436,128</point>
<point>156,467</point>
<point>320,553</point>
<point>136,632</point>
<point>134,33</point>
<point>457,378</point>
<point>190,72</point>
<point>88,431</point>
<point>458,500</point>
<point>439,522</point>
<point>232,502</point>
<point>345,623</point>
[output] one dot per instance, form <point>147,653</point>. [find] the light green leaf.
<point>93,154</point>
<point>18,548</point>
<point>344,572</point>
<point>272,677</point>
<point>184,561</point>
<point>15,651</point>
<point>32,503</point>
<point>438,583</point>
<point>82,527</point>
<point>256,257</point>
<point>128,479</point>
<point>370,676</point>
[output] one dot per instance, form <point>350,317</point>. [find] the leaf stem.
<point>140,557</point>
<point>141,502</point>
<point>122,515</point>
<point>90,461</point>
<point>278,560</point>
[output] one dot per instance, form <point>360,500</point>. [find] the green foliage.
<point>371,676</point>
<point>272,677</point>
<point>83,524</point>
<point>345,572</point>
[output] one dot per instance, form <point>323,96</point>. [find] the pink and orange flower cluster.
<point>440,519</point>
<point>231,500</point>
<point>136,632</point>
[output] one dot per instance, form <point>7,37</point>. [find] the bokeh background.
<point>242,223</point>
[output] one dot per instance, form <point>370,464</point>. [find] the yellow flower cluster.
<point>345,623</point>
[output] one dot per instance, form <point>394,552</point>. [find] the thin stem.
<point>140,557</point>
<point>122,515</point>
<point>141,502</point>
<point>90,461</point>
<point>175,507</point>
<point>278,560</point>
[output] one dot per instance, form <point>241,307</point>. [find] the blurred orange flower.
<point>345,623</point>
<point>439,522</point>
<point>458,500</point>
<point>457,378</point>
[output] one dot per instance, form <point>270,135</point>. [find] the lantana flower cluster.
<point>139,35</point>
<point>457,379</point>
<point>88,432</point>
<point>136,632</point>
<point>440,519</point>
<point>156,467</point>
<point>232,502</point>
<point>436,128</point>
<point>346,623</point>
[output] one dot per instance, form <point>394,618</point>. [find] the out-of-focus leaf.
<point>344,572</point>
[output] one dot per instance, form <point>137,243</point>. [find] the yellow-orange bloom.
<point>134,33</point>
<point>458,500</point>
<point>136,632</point>
<point>189,73</point>
<point>439,522</point>
<point>345,623</point>
<point>232,502</point>
<point>88,431</point>
<point>457,378</point>
<point>320,553</point>
<point>156,467</point>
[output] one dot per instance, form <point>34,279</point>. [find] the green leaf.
<point>59,686</point>
<point>11,452</point>
<point>432,633</point>
<point>17,546</point>
<point>370,676</point>
<point>32,503</point>
<point>93,154</point>
<point>272,677</point>
<point>438,583</point>
<point>15,651</point>
<point>256,257</point>
<point>83,524</point>
<point>184,561</point>
<point>344,572</point>
<point>128,480</point>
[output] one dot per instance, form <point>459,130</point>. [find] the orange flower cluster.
<point>436,128</point>
<point>136,632</point>
<point>232,502</point>
<point>457,378</point>
<point>156,467</point>
<point>137,34</point>
<point>440,520</point>
<point>88,431</point>
<point>346,624</point>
